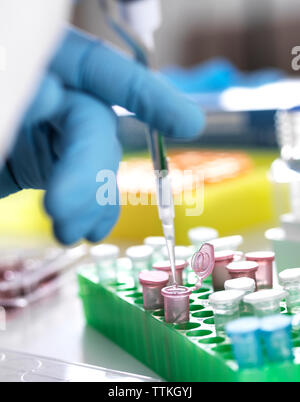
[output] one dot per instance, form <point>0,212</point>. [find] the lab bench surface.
<point>55,328</point>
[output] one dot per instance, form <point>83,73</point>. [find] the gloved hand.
<point>70,132</point>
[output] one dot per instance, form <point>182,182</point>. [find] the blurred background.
<point>251,42</point>
<point>251,34</point>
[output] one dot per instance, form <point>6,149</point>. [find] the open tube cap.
<point>203,261</point>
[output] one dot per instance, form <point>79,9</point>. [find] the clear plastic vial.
<point>165,266</point>
<point>153,282</point>
<point>241,269</point>
<point>264,274</point>
<point>276,332</point>
<point>245,337</point>
<point>246,285</point>
<point>176,304</point>
<point>226,306</point>
<point>290,280</point>
<point>157,243</point>
<point>220,273</point>
<point>141,259</point>
<point>265,302</point>
<point>105,257</point>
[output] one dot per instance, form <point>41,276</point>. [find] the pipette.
<point>142,52</point>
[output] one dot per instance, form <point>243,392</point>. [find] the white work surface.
<point>55,328</point>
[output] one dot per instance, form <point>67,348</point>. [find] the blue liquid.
<point>244,334</point>
<point>276,333</point>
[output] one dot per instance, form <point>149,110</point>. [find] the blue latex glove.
<point>217,75</point>
<point>210,76</point>
<point>70,132</point>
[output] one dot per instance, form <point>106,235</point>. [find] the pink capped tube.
<point>153,282</point>
<point>220,274</point>
<point>264,274</point>
<point>177,304</point>
<point>240,269</point>
<point>165,266</point>
<point>177,298</point>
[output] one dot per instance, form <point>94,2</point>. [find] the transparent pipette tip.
<point>171,251</point>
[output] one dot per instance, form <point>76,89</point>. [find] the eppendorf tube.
<point>176,304</point>
<point>265,302</point>
<point>276,332</point>
<point>245,337</point>
<point>226,306</point>
<point>165,266</point>
<point>240,269</point>
<point>157,243</point>
<point>153,282</point>
<point>264,274</point>
<point>246,285</point>
<point>105,257</point>
<point>141,259</point>
<point>177,298</point>
<point>220,274</point>
<point>290,280</point>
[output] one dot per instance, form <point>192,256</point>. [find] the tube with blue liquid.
<point>276,332</point>
<point>245,336</point>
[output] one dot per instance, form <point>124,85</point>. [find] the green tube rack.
<point>189,352</point>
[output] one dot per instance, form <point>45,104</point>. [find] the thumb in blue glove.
<point>70,132</point>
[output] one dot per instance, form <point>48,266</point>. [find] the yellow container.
<point>229,206</point>
<point>22,214</point>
